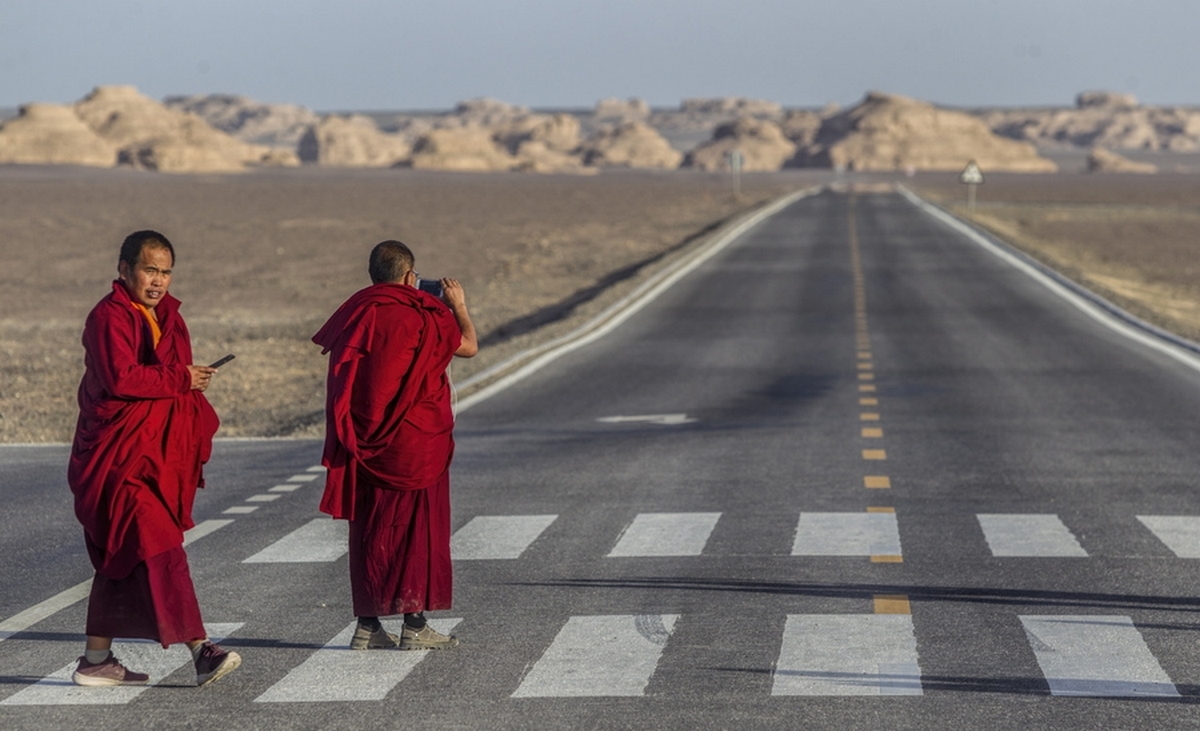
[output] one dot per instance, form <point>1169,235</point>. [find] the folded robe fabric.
<point>142,437</point>
<point>388,415</point>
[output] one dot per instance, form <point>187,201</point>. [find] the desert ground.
<point>264,257</point>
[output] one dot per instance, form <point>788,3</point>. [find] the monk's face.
<point>148,279</point>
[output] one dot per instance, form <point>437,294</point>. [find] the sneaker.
<point>426,638</point>
<point>380,639</point>
<point>214,663</point>
<point>110,672</point>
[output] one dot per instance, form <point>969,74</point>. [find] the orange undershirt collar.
<point>155,330</point>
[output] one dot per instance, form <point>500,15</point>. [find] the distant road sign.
<point>971,174</point>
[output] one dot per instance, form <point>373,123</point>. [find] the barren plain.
<point>265,257</point>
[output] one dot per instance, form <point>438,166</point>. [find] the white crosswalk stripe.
<point>848,654</point>
<point>142,656</point>
<point>319,540</point>
<point>497,536</point>
<point>1031,535</point>
<point>600,656</point>
<point>1095,655</point>
<point>666,534</point>
<point>1180,533</point>
<point>847,534</point>
<point>337,673</point>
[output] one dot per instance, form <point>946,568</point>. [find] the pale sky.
<point>336,55</point>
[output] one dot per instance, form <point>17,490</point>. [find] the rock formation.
<point>732,106</point>
<point>801,126</point>
<point>53,134</point>
<point>621,110</point>
<point>463,149</point>
<point>151,136</point>
<point>1101,160</point>
<point>352,141</point>
<point>276,125</point>
<point>633,145</point>
<point>762,144</point>
<point>1105,100</point>
<point>1102,119</point>
<point>886,132</point>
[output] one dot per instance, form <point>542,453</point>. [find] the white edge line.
<point>618,312</point>
<point>25,619</point>
<point>1088,302</point>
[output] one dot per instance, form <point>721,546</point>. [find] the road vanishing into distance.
<point>855,471</point>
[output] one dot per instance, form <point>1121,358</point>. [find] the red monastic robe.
<point>388,444</point>
<point>142,437</point>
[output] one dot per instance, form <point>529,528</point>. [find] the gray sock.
<point>95,657</point>
<point>196,650</point>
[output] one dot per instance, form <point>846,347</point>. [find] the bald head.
<point>390,261</point>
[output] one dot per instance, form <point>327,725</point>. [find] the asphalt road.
<point>855,471</point>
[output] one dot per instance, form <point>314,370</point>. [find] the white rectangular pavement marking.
<point>599,656</point>
<point>1181,533</point>
<point>57,689</point>
<point>1029,534</point>
<point>289,487</point>
<point>497,536</point>
<point>302,478</point>
<point>847,534</point>
<point>337,673</point>
<point>317,541</point>
<point>1095,655</point>
<point>240,510</point>
<point>848,654</point>
<point>666,534</point>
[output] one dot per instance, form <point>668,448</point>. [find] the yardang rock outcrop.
<point>53,134</point>
<point>887,132</point>
<point>149,135</point>
<point>353,141</point>
<point>762,145</point>
<point>1102,119</point>
<point>632,145</point>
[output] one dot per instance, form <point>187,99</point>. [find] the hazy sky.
<point>398,54</point>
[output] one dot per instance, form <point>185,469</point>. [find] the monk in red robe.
<point>144,431</point>
<point>388,444</point>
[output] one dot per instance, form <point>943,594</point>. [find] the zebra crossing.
<point>874,533</point>
<point>617,655</point>
<point>609,656</point>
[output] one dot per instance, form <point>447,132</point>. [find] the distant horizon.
<point>9,111</point>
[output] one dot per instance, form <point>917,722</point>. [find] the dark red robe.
<point>388,444</point>
<point>142,437</point>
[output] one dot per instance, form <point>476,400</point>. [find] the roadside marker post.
<point>971,176</point>
<point>735,167</point>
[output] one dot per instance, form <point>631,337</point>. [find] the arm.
<point>457,300</point>
<point>111,339</point>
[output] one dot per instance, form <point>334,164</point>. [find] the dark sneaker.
<point>110,672</point>
<point>426,638</point>
<point>215,663</point>
<point>380,639</point>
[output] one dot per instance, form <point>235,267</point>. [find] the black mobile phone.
<point>222,361</point>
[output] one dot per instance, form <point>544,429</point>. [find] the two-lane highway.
<point>855,470</point>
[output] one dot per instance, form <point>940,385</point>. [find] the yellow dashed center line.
<point>879,482</point>
<point>872,432</point>
<point>892,604</point>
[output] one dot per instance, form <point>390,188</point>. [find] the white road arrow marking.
<point>648,419</point>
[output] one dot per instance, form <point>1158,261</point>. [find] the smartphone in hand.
<point>222,361</point>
